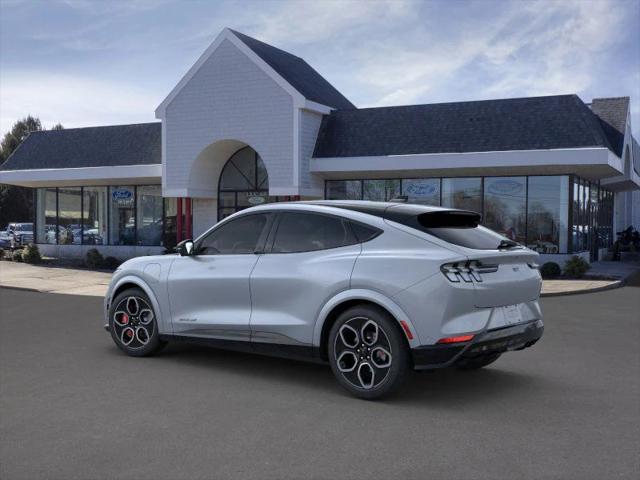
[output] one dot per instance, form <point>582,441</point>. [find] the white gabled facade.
<point>230,99</point>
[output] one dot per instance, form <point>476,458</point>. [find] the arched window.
<point>243,182</point>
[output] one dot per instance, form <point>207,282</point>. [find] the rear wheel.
<point>473,363</point>
<point>367,352</point>
<point>133,324</point>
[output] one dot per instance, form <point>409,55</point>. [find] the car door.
<point>209,290</point>
<point>308,259</point>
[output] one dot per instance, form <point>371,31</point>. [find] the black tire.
<point>385,380</point>
<point>473,363</point>
<point>128,333</point>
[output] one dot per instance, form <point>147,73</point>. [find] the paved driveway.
<point>72,406</point>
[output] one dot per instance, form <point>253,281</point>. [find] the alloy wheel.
<point>363,353</point>
<point>133,322</point>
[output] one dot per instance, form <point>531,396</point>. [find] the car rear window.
<point>463,229</point>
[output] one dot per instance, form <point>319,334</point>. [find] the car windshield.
<point>23,227</point>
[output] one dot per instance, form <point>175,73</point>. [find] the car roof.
<point>396,211</point>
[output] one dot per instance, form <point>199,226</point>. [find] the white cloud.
<point>73,101</point>
<point>314,21</point>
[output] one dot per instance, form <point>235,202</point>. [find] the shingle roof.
<point>613,116</point>
<point>298,73</point>
<point>533,123</point>
<point>108,146</point>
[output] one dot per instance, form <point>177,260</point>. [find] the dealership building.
<point>250,123</point>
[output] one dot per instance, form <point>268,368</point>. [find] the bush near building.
<point>94,258</point>
<point>576,267</point>
<point>550,270</point>
<point>31,254</point>
<point>16,256</point>
<point>111,263</point>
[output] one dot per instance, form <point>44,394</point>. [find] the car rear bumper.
<point>516,337</point>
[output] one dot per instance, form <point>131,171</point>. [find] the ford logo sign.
<point>505,187</point>
<point>256,200</point>
<point>121,194</point>
<point>421,189</point>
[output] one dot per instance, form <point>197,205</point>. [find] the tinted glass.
<point>462,193</point>
<point>479,238</point>
<point>122,224</point>
<point>364,233</point>
<point>149,211</point>
<point>425,191</point>
<point>344,190</point>
<point>94,216</point>
<point>306,232</point>
<point>69,216</point>
<point>237,237</point>
<point>380,190</point>
<point>46,216</point>
<point>169,236</point>
<point>547,214</point>
<point>505,206</point>
<point>461,229</point>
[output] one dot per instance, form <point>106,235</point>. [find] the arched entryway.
<point>244,182</point>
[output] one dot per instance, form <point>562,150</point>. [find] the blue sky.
<point>84,63</point>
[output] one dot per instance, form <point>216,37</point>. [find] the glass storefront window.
<point>46,216</point>
<point>94,215</point>
<point>169,236</point>
<point>380,190</point>
<point>505,206</point>
<point>122,221</point>
<point>547,214</point>
<point>344,190</point>
<point>463,193</point>
<point>425,191</point>
<point>69,216</point>
<point>149,215</point>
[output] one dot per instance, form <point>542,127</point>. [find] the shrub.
<point>31,254</point>
<point>1,253</point>
<point>93,258</point>
<point>576,267</point>
<point>111,263</point>
<point>16,256</point>
<point>550,270</point>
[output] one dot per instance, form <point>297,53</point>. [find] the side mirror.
<point>185,248</point>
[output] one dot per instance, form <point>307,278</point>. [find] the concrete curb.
<point>26,289</point>
<point>618,284</point>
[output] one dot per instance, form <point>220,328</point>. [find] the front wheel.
<point>133,324</point>
<point>368,353</point>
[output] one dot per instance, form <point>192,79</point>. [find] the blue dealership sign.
<point>421,189</point>
<point>505,187</point>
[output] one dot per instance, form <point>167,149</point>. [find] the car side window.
<point>307,232</point>
<point>236,237</point>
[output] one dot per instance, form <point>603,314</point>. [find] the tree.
<point>16,203</point>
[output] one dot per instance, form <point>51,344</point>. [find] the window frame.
<point>260,244</point>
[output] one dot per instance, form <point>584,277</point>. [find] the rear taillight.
<point>458,339</point>
<point>466,271</point>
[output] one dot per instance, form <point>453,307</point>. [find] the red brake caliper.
<point>124,319</point>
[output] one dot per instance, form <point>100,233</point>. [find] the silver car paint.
<point>285,298</point>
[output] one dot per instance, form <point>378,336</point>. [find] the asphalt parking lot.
<point>72,406</point>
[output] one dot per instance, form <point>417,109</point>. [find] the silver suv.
<point>374,289</point>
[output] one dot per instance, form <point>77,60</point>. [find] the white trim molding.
<point>67,177</point>
<point>592,162</point>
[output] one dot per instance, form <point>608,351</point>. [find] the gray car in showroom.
<point>374,289</point>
